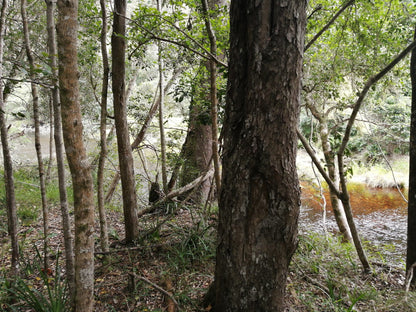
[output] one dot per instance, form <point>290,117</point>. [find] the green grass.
<point>326,276</point>
<point>27,192</point>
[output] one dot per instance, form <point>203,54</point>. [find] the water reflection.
<point>387,227</point>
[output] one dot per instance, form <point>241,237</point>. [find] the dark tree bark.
<point>82,183</point>
<point>7,160</point>
<point>260,198</point>
<point>411,221</point>
<point>125,155</point>
<point>59,150</point>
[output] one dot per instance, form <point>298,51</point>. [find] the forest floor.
<point>176,254</point>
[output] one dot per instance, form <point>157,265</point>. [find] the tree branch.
<point>328,24</point>
<point>374,79</point>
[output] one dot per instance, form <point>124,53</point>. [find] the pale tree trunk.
<point>59,152</point>
<point>35,103</point>
<point>51,130</point>
<point>336,204</point>
<point>161,117</point>
<point>7,160</point>
<point>161,122</point>
<point>260,195</point>
<point>103,132</point>
<point>125,155</point>
<point>82,183</point>
<point>329,156</point>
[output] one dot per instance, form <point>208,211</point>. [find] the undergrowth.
<point>325,275</point>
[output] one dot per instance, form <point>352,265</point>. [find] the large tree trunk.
<point>59,151</point>
<point>67,29</point>
<point>7,160</point>
<point>260,197</point>
<point>202,137</point>
<point>411,221</point>
<point>125,155</point>
<point>35,103</point>
<point>103,132</point>
<point>197,149</point>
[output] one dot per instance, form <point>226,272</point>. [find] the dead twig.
<point>158,288</point>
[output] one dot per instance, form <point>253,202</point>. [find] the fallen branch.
<point>166,293</point>
<point>177,192</point>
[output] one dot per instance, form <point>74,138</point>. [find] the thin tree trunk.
<point>103,131</point>
<point>35,99</point>
<point>51,130</point>
<point>118,44</point>
<point>411,218</point>
<point>161,117</point>
<point>67,30</point>
<point>213,93</point>
<point>329,156</point>
<point>59,152</point>
<point>8,165</point>
<point>140,136</point>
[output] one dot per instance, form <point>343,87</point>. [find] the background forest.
<point>143,159</point>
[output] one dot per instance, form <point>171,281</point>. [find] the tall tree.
<point>411,221</point>
<point>161,110</point>
<point>59,150</point>
<point>36,118</point>
<point>125,155</point>
<point>260,197</point>
<point>103,131</point>
<point>82,183</point>
<point>7,160</point>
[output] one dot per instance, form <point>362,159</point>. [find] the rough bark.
<point>125,155</point>
<point>197,149</point>
<point>103,132</point>
<point>82,183</point>
<point>260,198</point>
<point>202,137</point>
<point>59,151</point>
<point>7,160</point>
<point>411,218</point>
<point>38,148</point>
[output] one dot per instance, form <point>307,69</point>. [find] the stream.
<point>385,228</point>
<point>380,215</point>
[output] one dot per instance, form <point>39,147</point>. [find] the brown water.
<point>380,216</point>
